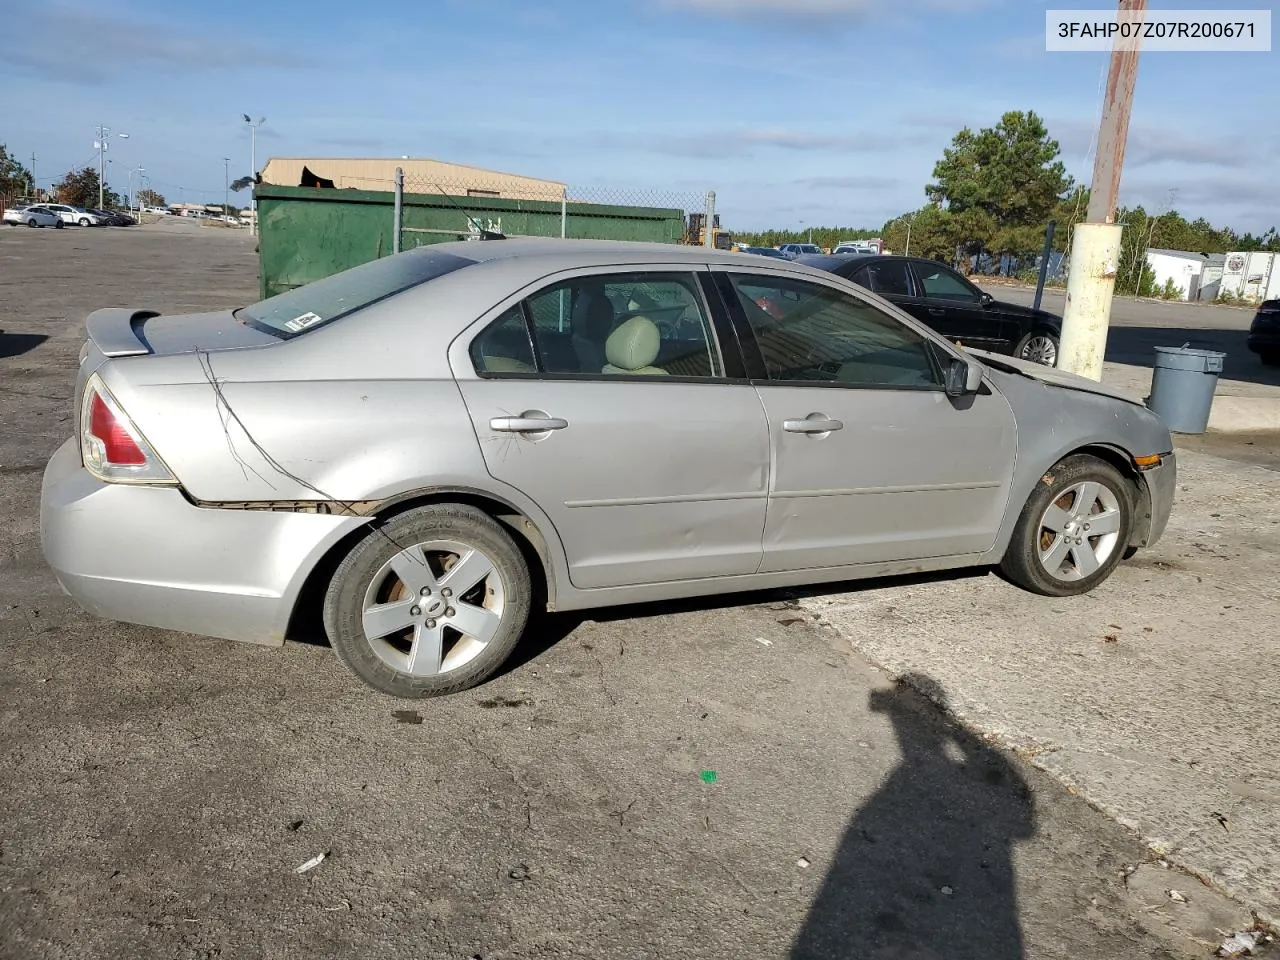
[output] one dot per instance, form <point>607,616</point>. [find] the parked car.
<point>32,216</point>
<point>77,216</point>
<point>765,252</point>
<point>582,424</point>
<point>1264,333</point>
<point>854,246</point>
<point>935,294</point>
<point>113,218</point>
<point>801,249</point>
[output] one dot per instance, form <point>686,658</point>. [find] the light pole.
<point>226,185</point>
<point>132,195</point>
<point>253,161</point>
<point>104,135</point>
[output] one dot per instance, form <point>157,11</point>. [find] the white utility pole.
<point>132,195</point>
<point>226,182</point>
<point>253,160</point>
<point>1095,250</point>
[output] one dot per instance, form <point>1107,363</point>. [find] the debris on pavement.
<point>791,621</point>
<point>312,863</point>
<point>406,716</point>
<point>1240,945</point>
<point>1110,638</point>
<point>1177,896</point>
<point>803,863</point>
<point>708,776</point>
<point>518,873</point>
<point>293,826</point>
<point>947,891</point>
<point>1222,820</point>
<point>343,904</point>
<point>762,640</point>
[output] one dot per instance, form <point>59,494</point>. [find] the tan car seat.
<point>632,348</point>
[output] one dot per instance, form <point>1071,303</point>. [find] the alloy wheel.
<point>1079,531</point>
<point>433,607</point>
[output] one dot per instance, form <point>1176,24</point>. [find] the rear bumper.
<point>1263,340</point>
<point>145,554</point>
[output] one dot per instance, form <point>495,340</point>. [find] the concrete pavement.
<point>1152,696</point>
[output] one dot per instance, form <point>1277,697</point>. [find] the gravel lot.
<point>699,780</point>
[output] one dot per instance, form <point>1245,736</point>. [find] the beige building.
<point>420,176</point>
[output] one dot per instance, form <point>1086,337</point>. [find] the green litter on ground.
<point>708,776</point>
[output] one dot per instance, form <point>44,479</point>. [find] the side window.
<point>636,324</point>
<point>888,278</point>
<point>504,347</point>
<point>808,333</point>
<point>941,283</point>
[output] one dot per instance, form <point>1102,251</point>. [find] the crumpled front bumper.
<point>1162,485</point>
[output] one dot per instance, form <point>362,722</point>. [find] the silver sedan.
<point>417,451</point>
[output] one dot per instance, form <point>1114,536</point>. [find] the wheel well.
<point>1141,495</point>
<point>306,624</point>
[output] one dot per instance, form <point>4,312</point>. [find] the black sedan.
<point>1264,333</point>
<point>936,295</point>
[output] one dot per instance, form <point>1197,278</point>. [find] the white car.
<point>77,216</point>
<point>32,216</point>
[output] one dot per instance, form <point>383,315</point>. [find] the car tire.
<point>1038,346</point>
<point>1052,551</point>
<point>33,222</point>
<point>84,221</point>
<point>1270,358</point>
<point>424,616</point>
<point>58,225</point>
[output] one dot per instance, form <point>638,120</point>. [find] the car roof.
<point>583,252</point>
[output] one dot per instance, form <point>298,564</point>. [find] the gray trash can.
<point>1182,387</point>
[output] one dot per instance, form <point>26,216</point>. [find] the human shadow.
<point>925,870</point>
<point>16,344</point>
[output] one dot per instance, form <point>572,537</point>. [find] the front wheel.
<point>84,221</point>
<point>58,225</point>
<point>429,603</point>
<point>1038,346</point>
<point>1073,530</point>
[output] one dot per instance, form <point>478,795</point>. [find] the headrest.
<point>634,345</point>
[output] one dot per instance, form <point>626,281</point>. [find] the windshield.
<point>305,308</point>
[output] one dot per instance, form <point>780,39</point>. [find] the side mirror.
<point>963,378</point>
<point>987,299</point>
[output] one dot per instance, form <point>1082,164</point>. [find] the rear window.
<point>303,309</point>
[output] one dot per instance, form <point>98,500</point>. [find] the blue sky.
<point>814,111</point>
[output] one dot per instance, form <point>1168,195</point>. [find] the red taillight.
<point>118,446</point>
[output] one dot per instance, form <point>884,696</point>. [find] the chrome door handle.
<point>937,312</point>
<point>526,424</point>
<point>814,423</point>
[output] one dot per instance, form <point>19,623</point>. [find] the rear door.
<point>604,396</point>
<point>872,462</point>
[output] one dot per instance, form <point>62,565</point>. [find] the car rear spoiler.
<point>117,331</point>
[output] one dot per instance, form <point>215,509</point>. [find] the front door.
<point>604,399</point>
<point>872,462</point>
<point>954,307</point>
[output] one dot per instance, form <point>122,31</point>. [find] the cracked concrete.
<point>1153,696</point>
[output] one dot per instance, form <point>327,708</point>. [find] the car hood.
<point>1052,376</point>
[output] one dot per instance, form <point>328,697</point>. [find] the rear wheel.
<point>1073,530</point>
<point>430,603</point>
<point>1038,346</point>
<point>58,225</point>
<point>33,222</point>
